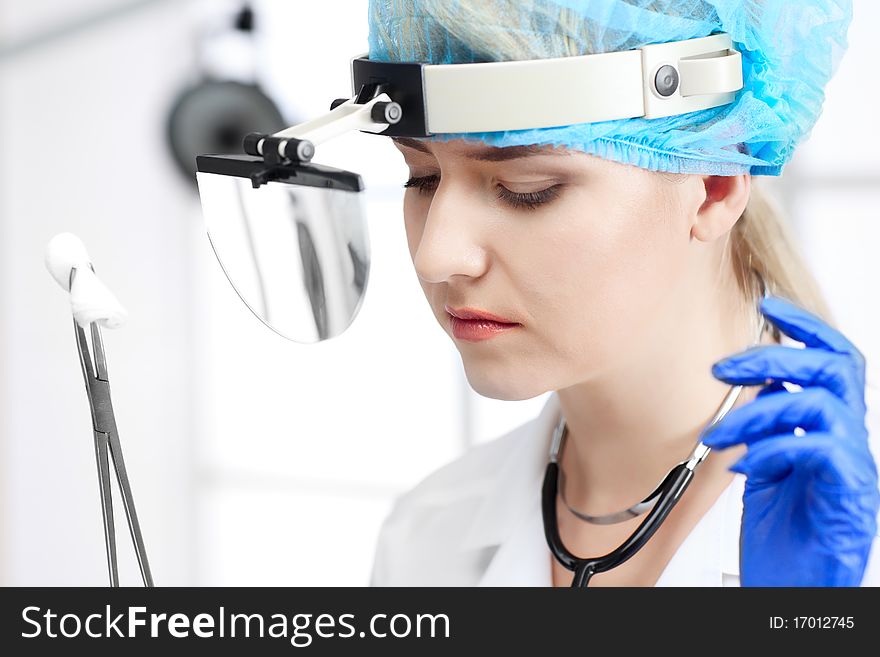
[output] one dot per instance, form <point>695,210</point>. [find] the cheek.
<point>633,247</point>
<point>600,248</point>
<point>599,268</point>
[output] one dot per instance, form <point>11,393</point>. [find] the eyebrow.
<point>490,154</point>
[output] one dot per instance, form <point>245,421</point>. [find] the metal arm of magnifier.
<point>298,142</point>
<point>296,145</point>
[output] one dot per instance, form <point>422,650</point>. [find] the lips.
<point>473,313</point>
<point>477,325</point>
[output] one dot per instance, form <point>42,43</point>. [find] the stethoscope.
<point>667,494</point>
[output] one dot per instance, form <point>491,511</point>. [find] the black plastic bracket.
<point>259,172</point>
<point>403,83</point>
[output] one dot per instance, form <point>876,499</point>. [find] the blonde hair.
<point>761,243</point>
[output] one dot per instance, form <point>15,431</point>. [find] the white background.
<point>254,460</point>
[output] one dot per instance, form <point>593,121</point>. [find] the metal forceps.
<point>107,446</point>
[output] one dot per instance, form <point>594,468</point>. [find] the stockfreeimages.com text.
<point>300,629</point>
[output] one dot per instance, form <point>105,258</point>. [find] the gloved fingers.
<point>771,388</point>
<point>819,456</point>
<point>806,327</point>
<point>804,367</point>
<point>812,409</point>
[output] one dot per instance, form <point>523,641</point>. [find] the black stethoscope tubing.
<point>673,488</point>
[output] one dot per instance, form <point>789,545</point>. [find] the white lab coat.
<point>477,521</point>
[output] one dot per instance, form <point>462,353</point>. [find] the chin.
<point>502,388</point>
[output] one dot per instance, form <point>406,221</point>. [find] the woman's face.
<point>581,252</point>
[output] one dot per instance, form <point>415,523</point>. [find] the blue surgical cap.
<point>790,49</point>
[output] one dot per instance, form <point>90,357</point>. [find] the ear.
<point>725,199</point>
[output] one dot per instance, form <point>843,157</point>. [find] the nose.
<point>450,242</point>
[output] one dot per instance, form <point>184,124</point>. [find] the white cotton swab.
<point>90,300</point>
<point>64,252</point>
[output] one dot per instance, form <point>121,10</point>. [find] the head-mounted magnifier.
<point>291,235</point>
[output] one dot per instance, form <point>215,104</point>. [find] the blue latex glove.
<point>810,501</point>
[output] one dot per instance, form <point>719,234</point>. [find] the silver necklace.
<point>698,455</point>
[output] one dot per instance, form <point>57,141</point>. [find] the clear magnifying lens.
<point>295,249</point>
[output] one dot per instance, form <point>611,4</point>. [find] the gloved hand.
<point>810,501</point>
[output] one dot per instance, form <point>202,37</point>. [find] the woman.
<point>621,260</point>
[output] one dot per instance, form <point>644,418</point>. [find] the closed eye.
<point>528,200</point>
